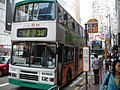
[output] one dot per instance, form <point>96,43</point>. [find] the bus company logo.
<point>35,25</point>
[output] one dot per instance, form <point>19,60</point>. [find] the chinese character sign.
<point>93,26</point>
<point>86,58</point>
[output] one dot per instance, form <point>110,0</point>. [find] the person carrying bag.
<point>111,80</point>
<point>106,81</point>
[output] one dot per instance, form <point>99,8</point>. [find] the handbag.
<point>106,82</point>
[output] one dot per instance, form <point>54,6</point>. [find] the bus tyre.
<point>68,78</point>
<point>1,73</point>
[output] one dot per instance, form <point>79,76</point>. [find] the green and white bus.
<point>46,45</point>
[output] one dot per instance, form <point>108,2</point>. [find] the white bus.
<point>46,45</point>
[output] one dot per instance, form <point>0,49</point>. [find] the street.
<point>77,84</point>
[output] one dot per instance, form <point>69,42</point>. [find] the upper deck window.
<point>35,11</point>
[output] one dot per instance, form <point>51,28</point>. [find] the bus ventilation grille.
<point>29,77</point>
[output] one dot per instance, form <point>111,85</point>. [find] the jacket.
<point>111,83</point>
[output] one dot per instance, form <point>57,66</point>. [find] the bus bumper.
<point>31,84</point>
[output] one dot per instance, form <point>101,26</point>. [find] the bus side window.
<point>69,54</point>
<point>59,52</point>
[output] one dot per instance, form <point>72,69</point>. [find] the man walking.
<point>96,67</point>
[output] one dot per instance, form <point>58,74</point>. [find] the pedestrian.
<point>96,67</point>
<point>112,77</point>
<point>108,62</point>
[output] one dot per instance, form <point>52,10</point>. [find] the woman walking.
<point>112,77</point>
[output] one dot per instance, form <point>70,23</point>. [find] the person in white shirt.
<point>96,67</point>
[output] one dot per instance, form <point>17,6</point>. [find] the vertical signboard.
<point>86,58</point>
<point>93,26</point>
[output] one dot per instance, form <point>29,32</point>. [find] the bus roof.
<point>30,1</point>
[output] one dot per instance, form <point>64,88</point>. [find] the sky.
<point>85,11</point>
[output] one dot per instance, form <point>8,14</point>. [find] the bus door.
<point>60,51</point>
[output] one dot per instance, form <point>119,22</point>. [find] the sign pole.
<point>86,62</point>
<point>86,45</point>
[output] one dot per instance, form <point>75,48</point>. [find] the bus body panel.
<point>65,70</point>
<point>30,85</point>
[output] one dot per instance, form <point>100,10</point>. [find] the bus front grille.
<point>29,77</point>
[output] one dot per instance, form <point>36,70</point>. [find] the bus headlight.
<point>13,74</point>
<point>52,79</point>
<point>44,78</point>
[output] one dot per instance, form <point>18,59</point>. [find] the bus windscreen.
<point>35,12</point>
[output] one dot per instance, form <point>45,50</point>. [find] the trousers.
<point>96,75</point>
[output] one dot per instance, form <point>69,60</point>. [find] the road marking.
<point>83,83</point>
<point>5,84</point>
<point>85,80</point>
<point>76,88</point>
<point>76,81</point>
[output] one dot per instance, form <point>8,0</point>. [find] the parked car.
<point>4,65</point>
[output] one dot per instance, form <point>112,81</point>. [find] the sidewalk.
<point>91,80</point>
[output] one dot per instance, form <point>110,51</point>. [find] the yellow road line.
<point>76,88</point>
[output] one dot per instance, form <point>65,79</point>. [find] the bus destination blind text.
<point>32,32</point>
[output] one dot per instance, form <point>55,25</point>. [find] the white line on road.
<point>74,82</point>
<point>5,84</point>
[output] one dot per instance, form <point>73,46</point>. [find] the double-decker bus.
<point>46,45</point>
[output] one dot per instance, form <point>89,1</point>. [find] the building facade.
<point>4,34</point>
<point>104,11</point>
<point>6,15</point>
<point>118,22</point>
<point>73,7</point>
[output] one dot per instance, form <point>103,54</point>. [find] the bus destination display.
<point>32,32</point>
